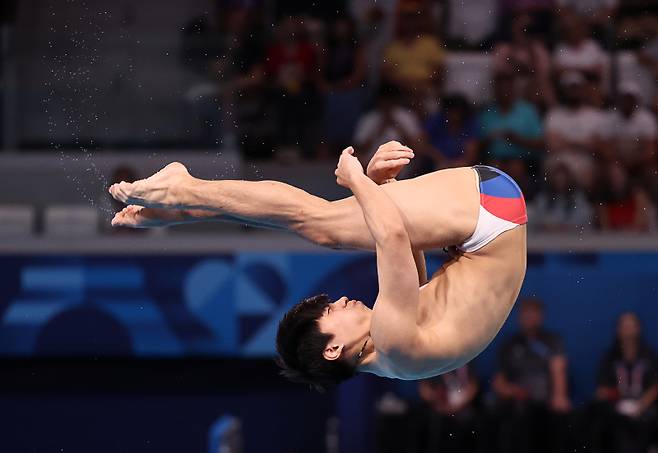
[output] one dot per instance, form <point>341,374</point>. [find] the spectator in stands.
<point>627,390</point>
<point>650,179</point>
<point>470,25</point>
<point>561,205</point>
<point>343,75</point>
<point>542,12</point>
<point>241,82</point>
<point>414,60</point>
<point>512,132</point>
<point>446,418</point>
<point>648,54</point>
<point>573,130</point>
<point>637,21</point>
<point>527,57</point>
<point>389,120</point>
<point>291,65</point>
<point>623,204</point>
<point>201,46</point>
<point>630,132</point>
<point>599,15</point>
<point>454,133</point>
<point>375,22</point>
<point>579,52</point>
<point>531,385</point>
<point>230,72</point>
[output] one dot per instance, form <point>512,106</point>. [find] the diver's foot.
<point>140,217</point>
<point>165,189</point>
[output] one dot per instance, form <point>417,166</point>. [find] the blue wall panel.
<point>229,305</point>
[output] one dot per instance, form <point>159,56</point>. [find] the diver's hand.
<point>388,161</point>
<point>349,168</point>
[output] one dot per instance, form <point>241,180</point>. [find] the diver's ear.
<point>333,351</point>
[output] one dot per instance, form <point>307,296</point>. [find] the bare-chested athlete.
<point>417,328</point>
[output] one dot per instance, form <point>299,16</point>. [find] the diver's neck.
<point>373,362</point>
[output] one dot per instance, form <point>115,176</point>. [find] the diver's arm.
<point>383,167</point>
<point>421,266</point>
<point>397,301</point>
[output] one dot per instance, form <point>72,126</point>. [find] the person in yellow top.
<point>414,59</point>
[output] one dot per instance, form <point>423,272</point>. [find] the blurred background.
<point>115,340</point>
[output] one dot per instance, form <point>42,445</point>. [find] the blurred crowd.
<point>527,407</point>
<point>579,139</point>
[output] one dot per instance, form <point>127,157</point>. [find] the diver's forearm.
<point>382,216</point>
<point>421,266</point>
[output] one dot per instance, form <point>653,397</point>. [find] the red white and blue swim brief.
<point>502,207</point>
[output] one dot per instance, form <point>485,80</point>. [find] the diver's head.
<point>319,340</point>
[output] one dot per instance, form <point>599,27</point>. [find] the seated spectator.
<point>531,385</point>
<point>454,133</point>
<point>389,120</point>
<point>511,131</point>
<point>446,418</point>
<point>637,21</point>
<point>291,65</point>
<point>542,12</point>
<point>470,25</point>
<point>414,60</point>
<point>240,82</point>
<point>527,57</point>
<point>375,22</point>
<point>648,54</point>
<point>579,52</point>
<point>623,204</point>
<point>573,130</point>
<point>627,390</point>
<point>599,15</point>
<point>561,205</point>
<point>342,79</point>
<point>224,73</point>
<point>630,132</point>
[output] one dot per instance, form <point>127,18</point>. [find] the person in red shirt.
<point>291,68</point>
<point>624,204</point>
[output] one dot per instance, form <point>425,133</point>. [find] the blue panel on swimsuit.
<point>500,187</point>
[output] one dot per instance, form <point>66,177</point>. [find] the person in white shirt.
<point>596,13</point>
<point>389,120</point>
<point>630,131</point>
<point>573,130</point>
<point>561,206</point>
<point>579,52</point>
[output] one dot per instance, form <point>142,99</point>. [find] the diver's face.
<point>348,320</point>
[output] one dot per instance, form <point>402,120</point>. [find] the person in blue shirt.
<point>454,133</point>
<point>512,131</point>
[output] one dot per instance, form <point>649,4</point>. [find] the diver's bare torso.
<point>462,308</point>
<point>468,299</point>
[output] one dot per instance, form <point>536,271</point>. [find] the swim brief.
<point>502,207</point>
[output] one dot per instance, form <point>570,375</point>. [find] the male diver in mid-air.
<point>417,328</point>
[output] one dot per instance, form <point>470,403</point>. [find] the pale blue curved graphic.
<point>208,292</point>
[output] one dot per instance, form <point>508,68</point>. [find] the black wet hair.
<point>300,345</point>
